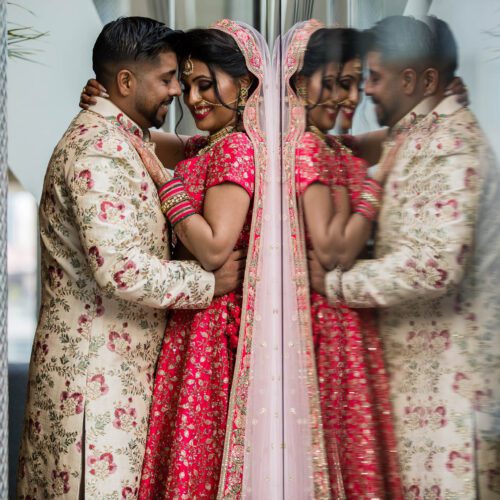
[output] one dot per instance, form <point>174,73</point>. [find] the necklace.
<point>213,139</point>
<point>326,139</point>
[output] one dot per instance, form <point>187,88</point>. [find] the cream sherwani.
<point>106,280</point>
<point>433,279</point>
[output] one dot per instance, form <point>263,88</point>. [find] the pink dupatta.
<point>273,446</point>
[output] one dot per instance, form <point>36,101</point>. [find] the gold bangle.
<point>169,203</point>
<point>370,198</point>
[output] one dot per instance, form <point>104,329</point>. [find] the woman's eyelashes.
<point>345,83</point>
<point>205,85</point>
<point>202,85</point>
<point>328,83</point>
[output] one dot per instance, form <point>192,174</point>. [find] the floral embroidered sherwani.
<point>439,317</point>
<point>106,278</point>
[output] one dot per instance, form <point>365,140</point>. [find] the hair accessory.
<point>188,67</point>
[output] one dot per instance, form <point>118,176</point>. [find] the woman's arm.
<point>336,234</point>
<point>367,146</point>
<point>211,238</point>
<point>169,147</point>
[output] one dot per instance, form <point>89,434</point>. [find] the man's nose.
<point>175,88</point>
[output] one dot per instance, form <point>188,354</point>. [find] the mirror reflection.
<point>260,277</point>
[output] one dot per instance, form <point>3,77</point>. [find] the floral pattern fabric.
<point>353,383</point>
<point>195,368</point>
<point>106,276</point>
<point>438,304</point>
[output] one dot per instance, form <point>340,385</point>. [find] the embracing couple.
<point>108,277</point>
<point>127,403</point>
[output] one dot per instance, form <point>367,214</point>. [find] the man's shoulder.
<point>90,134</point>
<point>456,133</point>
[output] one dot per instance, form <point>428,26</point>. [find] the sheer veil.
<point>252,462</point>
<point>273,446</point>
<point>301,388</point>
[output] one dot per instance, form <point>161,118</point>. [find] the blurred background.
<point>47,71</point>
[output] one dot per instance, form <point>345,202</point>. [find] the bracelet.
<point>369,200</point>
<point>170,188</point>
<point>169,203</point>
<point>175,202</point>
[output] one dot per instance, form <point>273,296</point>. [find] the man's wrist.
<point>333,286</point>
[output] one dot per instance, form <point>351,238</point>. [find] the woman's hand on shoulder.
<point>92,90</point>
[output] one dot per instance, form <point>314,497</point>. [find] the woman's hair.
<point>327,45</point>
<point>216,49</point>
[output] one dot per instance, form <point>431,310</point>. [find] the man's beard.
<point>155,119</point>
<point>381,113</point>
<point>153,116</point>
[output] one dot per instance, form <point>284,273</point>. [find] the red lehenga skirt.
<point>190,402</point>
<point>354,398</point>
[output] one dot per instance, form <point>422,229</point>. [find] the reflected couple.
<point>433,194</point>
<point>338,203</point>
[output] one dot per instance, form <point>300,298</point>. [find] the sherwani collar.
<point>446,107</point>
<point>423,108</point>
<point>115,115</point>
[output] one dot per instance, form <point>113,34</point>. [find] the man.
<point>437,311</point>
<point>105,279</point>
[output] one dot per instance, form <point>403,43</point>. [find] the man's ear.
<point>409,81</point>
<point>430,81</point>
<point>125,82</point>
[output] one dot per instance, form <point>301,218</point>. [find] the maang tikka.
<point>188,67</point>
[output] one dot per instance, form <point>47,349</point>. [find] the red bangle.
<point>175,202</point>
<point>170,188</point>
<point>368,203</point>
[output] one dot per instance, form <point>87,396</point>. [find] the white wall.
<point>43,98</point>
<point>479,62</point>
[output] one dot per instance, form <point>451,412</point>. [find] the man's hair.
<point>445,56</point>
<point>402,41</point>
<point>128,40</point>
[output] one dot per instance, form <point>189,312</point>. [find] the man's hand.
<point>230,275</point>
<point>317,273</point>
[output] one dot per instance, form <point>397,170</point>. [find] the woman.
<point>339,203</point>
<point>209,205</point>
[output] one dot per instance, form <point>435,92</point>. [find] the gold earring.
<point>302,92</point>
<point>242,99</point>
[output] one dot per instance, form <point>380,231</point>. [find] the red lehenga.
<point>353,384</point>
<point>191,393</point>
